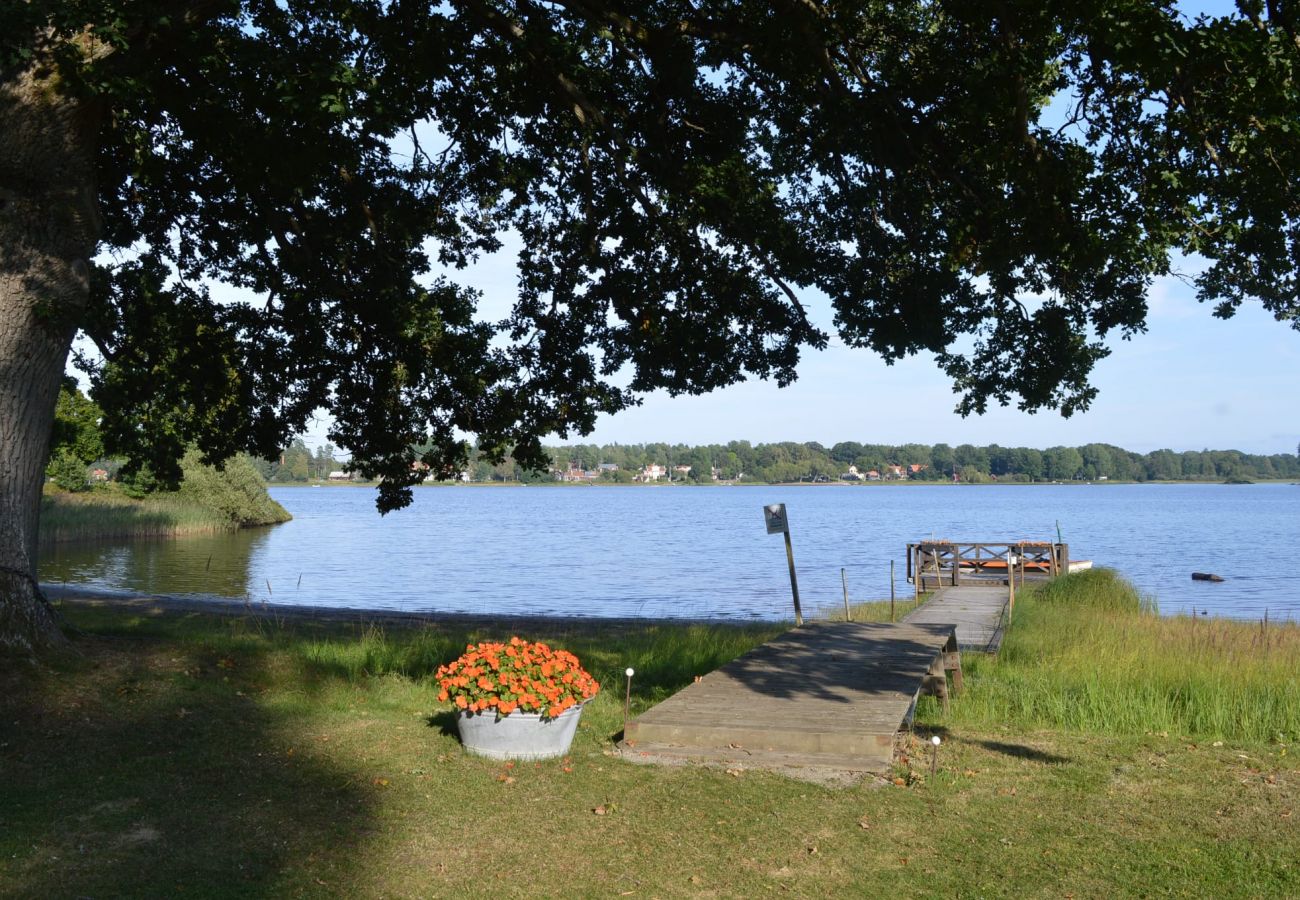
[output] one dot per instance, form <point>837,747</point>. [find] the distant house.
<point>652,473</point>
<point>873,475</point>
<point>608,467</point>
<point>892,471</point>
<point>339,475</point>
<point>852,475</point>
<point>682,470</point>
<point>916,469</point>
<point>99,475</point>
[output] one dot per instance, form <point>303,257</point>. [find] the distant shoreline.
<point>782,484</point>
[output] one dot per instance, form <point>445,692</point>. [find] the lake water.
<point>703,551</point>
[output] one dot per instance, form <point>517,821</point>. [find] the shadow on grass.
<point>445,722</point>
<point>151,768</point>
<point>1021,751</point>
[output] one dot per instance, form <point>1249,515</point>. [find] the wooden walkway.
<point>977,611</point>
<point>828,694</point>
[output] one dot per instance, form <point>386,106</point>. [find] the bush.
<point>237,492</point>
<point>68,471</point>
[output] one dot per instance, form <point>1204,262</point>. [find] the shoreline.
<point>169,605</point>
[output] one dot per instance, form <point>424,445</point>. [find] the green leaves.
<point>679,178</point>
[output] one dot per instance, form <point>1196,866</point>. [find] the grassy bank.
<point>190,755</point>
<point>1087,654</point>
<point>208,501</point>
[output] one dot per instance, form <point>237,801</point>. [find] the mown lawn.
<point>190,755</point>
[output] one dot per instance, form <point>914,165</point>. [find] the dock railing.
<point>934,564</point>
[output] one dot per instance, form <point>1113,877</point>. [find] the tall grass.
<point>1087,653</point>
<point>664,657</point>
<point>105,515</point>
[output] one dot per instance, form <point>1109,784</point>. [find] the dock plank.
<point>827,693</point>
<point>976,611</point>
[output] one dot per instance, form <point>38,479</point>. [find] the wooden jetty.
<point>835,694</point>
<point>977,611</point>
<point>826,694</point>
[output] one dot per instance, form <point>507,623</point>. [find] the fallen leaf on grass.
<point>380,782</point>
<point>735,773</point>
<point>600,810</point>
<point>506,779</point>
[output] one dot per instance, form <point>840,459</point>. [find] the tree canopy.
<point>680,174</point>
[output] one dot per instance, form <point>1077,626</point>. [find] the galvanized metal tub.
<point>524,736</point>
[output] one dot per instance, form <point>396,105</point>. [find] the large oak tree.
<point>679,172</point>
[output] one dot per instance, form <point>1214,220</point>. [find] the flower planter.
<point>520,735</point>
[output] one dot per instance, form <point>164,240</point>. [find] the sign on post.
<point>774,516</point>
<point>777,523</point>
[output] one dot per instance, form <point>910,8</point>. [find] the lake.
<point>703,551</point>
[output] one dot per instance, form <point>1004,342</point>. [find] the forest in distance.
<point>794,462</point>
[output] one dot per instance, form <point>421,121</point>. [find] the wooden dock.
<point>978,612</point>
<point>827,694</point>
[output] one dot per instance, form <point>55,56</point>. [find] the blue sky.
<point>1191,382</point>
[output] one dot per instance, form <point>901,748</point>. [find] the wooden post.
<point>915,559</point>
<point>891,590</point>
<point>848,617</point>
<point>956,565</point>
<point>1011,586</point>
<point>794,582</point>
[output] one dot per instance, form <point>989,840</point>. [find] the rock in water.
<point>1205,576</point>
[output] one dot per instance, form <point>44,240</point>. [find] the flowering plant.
<point>529,677</point>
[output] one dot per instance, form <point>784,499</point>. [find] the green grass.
<point>1086,653</point>
<point>191,755</point>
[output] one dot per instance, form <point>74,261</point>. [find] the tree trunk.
<point>48,231</point>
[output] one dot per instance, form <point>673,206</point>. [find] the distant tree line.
<point>788,462</point>
<point>77,459</point>
<point>299,463</point>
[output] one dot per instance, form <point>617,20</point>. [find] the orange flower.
<point>531,677</point>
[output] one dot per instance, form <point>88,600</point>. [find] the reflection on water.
<point>697,552</point>
<point>210,565</point>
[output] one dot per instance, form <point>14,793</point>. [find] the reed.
<point>1088,654</point>
<point>105,515</point>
